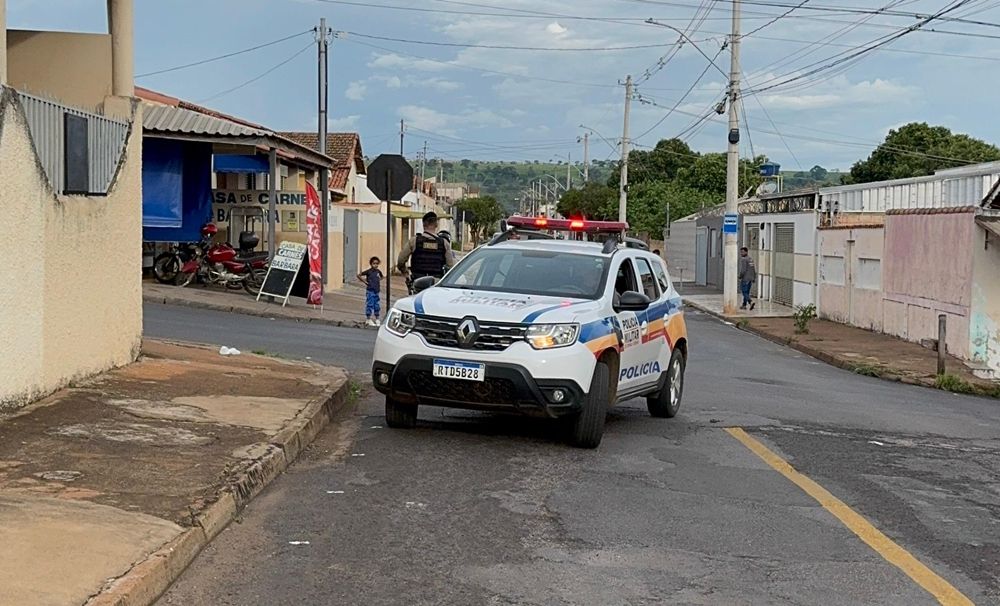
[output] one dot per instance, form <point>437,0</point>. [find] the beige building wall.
<point>372,231</point>
<point>73,302</point>
<point>335,250</point>
<point>72,68</point>
<point>850,278</point>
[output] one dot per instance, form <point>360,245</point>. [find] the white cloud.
<point>392,61</point>
<point>346,123</point>
<point>356,90</point>
<point>555,28</point>
<point>426,118</point>
<point>840,92</point>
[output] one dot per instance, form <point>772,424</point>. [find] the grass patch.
<point>743,324</point>
<point>949,382</point>
<point>353,391</point>
<point>867,370</point>
<point>265,353</point>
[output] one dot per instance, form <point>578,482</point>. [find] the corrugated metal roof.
<point>168,119</point>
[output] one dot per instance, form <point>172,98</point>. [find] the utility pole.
<point>569,166</point>
<point>401,131</point>
<point>423,167</point>
<point>731,222</point>
<point>623,185</point>
<point>322,40</point>
<point>586,157</point>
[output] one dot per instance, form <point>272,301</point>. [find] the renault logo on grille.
<point>467,332</point>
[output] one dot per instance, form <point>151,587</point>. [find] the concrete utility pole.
<point>324,176</point>
<point>401,131</point>
<point>729,284</point>
<point>423,168</point>
<point>586,157</point>
<point>569,166</point>
<point>623,185</point>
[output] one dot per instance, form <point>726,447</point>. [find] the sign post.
<point>282,271</point>
<point>731,223</point>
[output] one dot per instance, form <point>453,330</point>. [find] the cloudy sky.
<point>469,99</point>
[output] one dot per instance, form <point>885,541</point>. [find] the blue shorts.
<point>373,304</point>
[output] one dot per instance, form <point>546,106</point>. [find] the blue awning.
<point>241,164</point>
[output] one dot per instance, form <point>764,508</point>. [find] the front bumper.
<point>505,388</point>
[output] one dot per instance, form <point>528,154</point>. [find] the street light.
<point>569,165</point>
<point>613,146</point>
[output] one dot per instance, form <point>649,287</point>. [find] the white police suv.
<point>545,327</point>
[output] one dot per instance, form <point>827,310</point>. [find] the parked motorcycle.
<point>224,265</point>
<point>167,265</point>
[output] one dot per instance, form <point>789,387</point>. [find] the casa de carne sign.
<point>235,196</point>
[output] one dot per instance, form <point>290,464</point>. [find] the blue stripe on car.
<point>418,303</point>
<point>535,314</point>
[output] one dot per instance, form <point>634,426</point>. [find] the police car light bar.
<point>577,225</point>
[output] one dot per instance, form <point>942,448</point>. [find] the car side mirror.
<point>424,283</point>
<point>631,300</point>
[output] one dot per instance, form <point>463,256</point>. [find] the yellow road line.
<point>941,589</point>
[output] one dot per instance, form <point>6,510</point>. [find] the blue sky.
<point>515,104</point>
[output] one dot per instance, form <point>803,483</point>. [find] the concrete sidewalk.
<point>345,307</point>
<point>109,489</point>
<point>860,351</point>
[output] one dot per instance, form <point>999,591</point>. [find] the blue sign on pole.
<point>730,224</point>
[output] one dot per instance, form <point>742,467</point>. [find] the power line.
<point>503,47</point>
<point>683,97</point>
<point>676,47</point>
<point>226,56</point>
<point>776,19</point>
<point>256,78</point>
<point>863,50</point>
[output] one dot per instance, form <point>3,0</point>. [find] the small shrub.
<point>949,382</point>
<point>743,323</point>
<point>868,370</point>
<point>802,316</point>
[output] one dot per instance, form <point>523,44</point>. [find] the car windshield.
<point>530,272</point>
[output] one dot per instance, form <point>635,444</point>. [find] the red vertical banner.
<point>315,243</point>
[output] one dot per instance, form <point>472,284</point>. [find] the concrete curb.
<point>247,311</point>
<point>822,356</point>
<point>148,579</point>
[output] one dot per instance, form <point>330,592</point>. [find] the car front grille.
<point>490,391</point>
<point>493,336</point>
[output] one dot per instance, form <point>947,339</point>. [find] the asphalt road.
<point>481,509</point>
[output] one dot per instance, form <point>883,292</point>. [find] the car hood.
<point>498,306</point>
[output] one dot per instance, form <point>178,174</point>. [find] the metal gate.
<point>351,245</point>
<point>752,241</point>
<point>701,256</point>
<point>784,263</point>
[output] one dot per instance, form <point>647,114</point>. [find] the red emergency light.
<point>578,225</point>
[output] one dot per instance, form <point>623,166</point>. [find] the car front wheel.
<point>667,402</point>
<point>400,415</point>
<point>587,428</point>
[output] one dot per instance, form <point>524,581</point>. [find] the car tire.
<point>667,402</point>
<point>400,415</point>
<point>587,428</point>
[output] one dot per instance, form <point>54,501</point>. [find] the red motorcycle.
<point>225,265</point>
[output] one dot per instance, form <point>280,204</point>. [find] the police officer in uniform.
<point>428,253</point>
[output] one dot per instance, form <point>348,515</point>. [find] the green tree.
<point>708,174</point>
<point>662,163</point>
<point>592,201</point>
<point>917,149</point>
<point>649,202</point>
<point>818,173</point>
<point>482,214</point>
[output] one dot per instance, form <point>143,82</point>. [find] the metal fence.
<point>105,142</point>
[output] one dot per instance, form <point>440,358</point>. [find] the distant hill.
<point>507,180</point>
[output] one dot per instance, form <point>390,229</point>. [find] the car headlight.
<point>399,323</point>
<point>547,336</point>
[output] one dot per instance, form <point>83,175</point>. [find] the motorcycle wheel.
<point>254,281</point>
<point>185,278</point>
<point>166,266</point>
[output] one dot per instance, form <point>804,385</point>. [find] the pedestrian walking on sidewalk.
<point>747,274</point>
<point>372,279</point>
